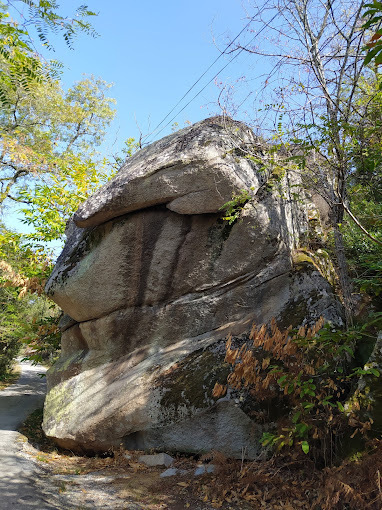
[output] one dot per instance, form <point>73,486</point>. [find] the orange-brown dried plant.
<point>308,371</point>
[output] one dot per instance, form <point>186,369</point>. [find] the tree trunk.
<point>342,268</point>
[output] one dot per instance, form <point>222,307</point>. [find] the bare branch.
<point>359,225</point>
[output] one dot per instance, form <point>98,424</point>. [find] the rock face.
<point>152,279</point>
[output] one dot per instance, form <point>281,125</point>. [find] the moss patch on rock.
<point>294,313</point>
<point>189,384</point>
<point>217,235</point>
<point>319,260</point>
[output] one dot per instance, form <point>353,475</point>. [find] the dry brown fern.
<point>35,285</point>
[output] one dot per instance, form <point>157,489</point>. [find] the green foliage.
<point>233,208</point>
<point>54,198</point>
<point>129,148</point>
<point>22,316</point>
<point>49,167</point>
<point>22,266</point>
<point>365,189</point>
<point>374,46</point>
<point>45,134</point>
<point>20,66</point>
<point>364,256</point>
<point>50,163</point>
<point>311,373</point>
<point>41,337</point>
<point>23,272</point>
<point>47,20</point>
<point>9,344</point>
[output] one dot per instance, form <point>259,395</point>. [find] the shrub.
<point>311,372</point>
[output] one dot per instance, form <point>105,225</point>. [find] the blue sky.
<point>153,52</point>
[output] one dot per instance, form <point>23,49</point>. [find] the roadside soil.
<point>11,378</point>
<point>119,481</point>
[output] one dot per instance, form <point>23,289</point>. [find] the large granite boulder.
<point>152,279</point>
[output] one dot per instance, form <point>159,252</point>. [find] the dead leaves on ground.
<point>283,483</point>
<point>280,483</point>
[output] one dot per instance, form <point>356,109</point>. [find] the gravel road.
<point>17,473</point>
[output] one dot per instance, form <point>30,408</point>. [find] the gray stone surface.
<point>152,280</point>
<point>370,386</point>
<point>204,469</point>
<point>169,472</point>
<point>223,427</point>
<point>159,459</point>
<point>193,171</point>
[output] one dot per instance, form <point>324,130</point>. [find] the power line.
<point>212,79</point>
<point>200,77</point>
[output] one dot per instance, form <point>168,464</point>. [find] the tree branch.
<point>374,239</point>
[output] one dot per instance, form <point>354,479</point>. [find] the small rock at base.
<point>202,470</point>
<point>169,472</point>
<point>160,459</point>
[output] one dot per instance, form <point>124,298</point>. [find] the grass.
<point>11,377</point>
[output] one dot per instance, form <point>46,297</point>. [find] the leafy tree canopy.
<point>48,132</point>
<point>21,63</point>
<point>373,15</point>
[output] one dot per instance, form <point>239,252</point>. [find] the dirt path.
<point>17,473</point>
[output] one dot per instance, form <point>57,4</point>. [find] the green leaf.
<point>378,58</point>
<point>371,54</point>
<point>305,446</point>
<point>350,351</point>
<point>296,417</point>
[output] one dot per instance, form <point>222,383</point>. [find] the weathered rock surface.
<point>153,279</point>
<point>160,459</point>
<point>369,388</point>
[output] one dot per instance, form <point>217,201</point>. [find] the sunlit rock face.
<point>152,279</point>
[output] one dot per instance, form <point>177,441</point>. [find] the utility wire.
<point>212,79</point>
<point>200,77</point>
